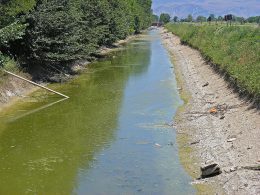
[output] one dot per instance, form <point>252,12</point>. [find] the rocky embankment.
<point>222,128</point>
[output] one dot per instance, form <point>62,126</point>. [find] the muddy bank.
<point>61,74</point>
<point>219,126</point>
<point>12,89</point>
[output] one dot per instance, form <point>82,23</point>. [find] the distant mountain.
<point>182,11</point>
<point>182,8</point>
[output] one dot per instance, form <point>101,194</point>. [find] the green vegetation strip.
<point>233,50</point>
<point>60,32</point>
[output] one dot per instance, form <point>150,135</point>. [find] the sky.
<point>219,6</point>
<point>242,3</point>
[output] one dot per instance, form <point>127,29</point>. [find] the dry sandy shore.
<point>230,137</point>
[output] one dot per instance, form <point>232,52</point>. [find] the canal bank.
<point>13,89</point>
<point>113,136</point>
<point>229,137</point>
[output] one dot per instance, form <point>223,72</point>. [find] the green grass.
<point>234,50</point>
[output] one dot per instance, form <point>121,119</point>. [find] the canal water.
<point>113,136</point>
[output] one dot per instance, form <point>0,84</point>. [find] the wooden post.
<point>48,89</point>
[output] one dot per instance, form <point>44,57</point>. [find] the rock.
<point>233,169</point>
<point>222,117</point>
<point>9,93</point>
<point>193,143</point>
<point>231,139</point>
<point>210,170</point>
<point>206,84</point>
<point>78,65</point>
<point>56,78</point>
<point>249,147</point>
<point>157,145</point>
<point>213,111</point>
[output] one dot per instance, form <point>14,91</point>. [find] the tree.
<point>220,18</point>
<point>59,32</point>
<point>189,18</point>
<point>137,25</point>
<point>155,18</point>
<point>165,18</point>
<point>11,10</point>
<point>12,27</point>
<point>212,16</point>
<point>175,19</point>
<point>253,19</point>
<point>239,19</point>
<point>209,19</point>
<point>242,21</point>
<point>201,19</point>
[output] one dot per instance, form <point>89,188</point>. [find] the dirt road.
<point>222,128</point>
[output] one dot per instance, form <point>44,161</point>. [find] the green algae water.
<point>113,136</point>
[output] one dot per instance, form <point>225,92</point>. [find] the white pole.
<point>37,110</point>
<point>35,84</point>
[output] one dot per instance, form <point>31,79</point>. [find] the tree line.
<point>61,31</point>
<point>165,18</point>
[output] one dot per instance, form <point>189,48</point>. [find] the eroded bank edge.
<point>13,90</point>
<point>187,154</point>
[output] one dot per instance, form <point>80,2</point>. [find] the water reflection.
<point>42,152</point>
<point>144,157</point>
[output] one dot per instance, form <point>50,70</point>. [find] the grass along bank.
<point>232,50</point>
<point>210,133</point>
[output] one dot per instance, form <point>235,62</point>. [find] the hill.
<point>203,7</point>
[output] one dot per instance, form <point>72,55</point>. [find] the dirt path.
<point>229,137</point>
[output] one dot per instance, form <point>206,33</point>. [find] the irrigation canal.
<point>111,137</point>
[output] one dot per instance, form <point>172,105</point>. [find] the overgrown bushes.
<point>58,32</point>
<point>234,50</point>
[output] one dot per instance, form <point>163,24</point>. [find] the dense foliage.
<point>254,19</point>
<point>155,18</point>
<point>213,18</point>
<point>11,27</point>
<point>234,50</point>
<point>165,18</point>
<point>61,31</point>
<point>201,19</point>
